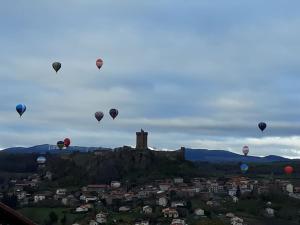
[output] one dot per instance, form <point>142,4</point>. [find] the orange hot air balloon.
<point>288,169</point>
<point>99,63</point>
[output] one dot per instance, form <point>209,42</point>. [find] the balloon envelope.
<point>99,63</point>
<point>244,168</point>
<point>60,144</point>
<point>113,113</point>
<point>41,160</point>
<point>56,66</point>
<point>288,169</point>
<point>67,142</point>
<point>21,108</point>
<point>99,115</point>
<point>262,126</point>
<point>245,150</point>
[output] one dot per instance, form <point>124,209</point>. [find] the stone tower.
<point>141,140</point>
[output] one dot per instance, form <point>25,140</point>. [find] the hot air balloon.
<point>60,145</point>
<point>113,113</point>
<point>245,150</point>
<point>99,115</point>
<point>41,160</point>
<point>288,169</point>
<point>262,126</point>
<point>244,168</point>
<point>99,63</point>
<point>56,66</point>
<point>21,108</point>
<point>67,142</point>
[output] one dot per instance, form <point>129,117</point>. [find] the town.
<point>170,201</point>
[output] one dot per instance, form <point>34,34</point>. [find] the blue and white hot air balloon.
<point>244,168</point>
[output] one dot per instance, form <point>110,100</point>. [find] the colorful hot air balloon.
<point>262,126</point>
<point>56,66</point>
<point>67,142</point>
<point>99,115</point>
<point>60,145</point>
<point>99,63</point>
<point>245,150</point>
<point>244,168</point>
<point>21,108</point>
<point>288,169</point>
<point>41,160</point>
<point>113,113</point>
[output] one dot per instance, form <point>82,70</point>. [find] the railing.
<point>12,217</point>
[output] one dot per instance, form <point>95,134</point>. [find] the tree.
<point>53,218</point>
<point>63,220</point>
<point>238,192</point>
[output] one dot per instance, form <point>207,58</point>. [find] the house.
<point>178,222</point>
<point>269,212</point>
<point>175,204</point>
<point>143,222</point>
<point>101,217</point>
<point>115,184</point>
<point>209,203</point>
<point>236,221</point>
<point>93,222</point>
<point>82,208</point>
<point>162,201</point>
<point>178,180</point>
<point>147,209</point>
<point>169,212</point>
<point>290,188</point>
<point>39,197</point>
<point>91,199</point>
<point>21,195</point>
<point>235,199</point>
<point>232,191</point>
<point>230,215</point>
<point>199,212</point>
<point>96,187</point>
<point>164,186</point>
<point>124,209</point>
<point>61,191</point>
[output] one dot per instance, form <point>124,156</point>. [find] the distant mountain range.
<point>43,149</point>
<point>190,154</point>
<point>226,156</point>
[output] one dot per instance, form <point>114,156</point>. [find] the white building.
<point>61,191</point>
<point>147,209</point>
<point>115,184</point>
<point>178,180</point>
<point>270,212</point>
<point>101,218</point>
<point>39,197</point>
<point>144,222</point>
<point>162,201</point>
<point>290,188</point>
<point>199,212</point>
<point>178,222</point>
<point>93,222</point>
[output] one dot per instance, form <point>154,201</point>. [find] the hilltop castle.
<point>142,140</point>
<point>142,145</point>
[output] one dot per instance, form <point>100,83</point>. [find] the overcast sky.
<point>198,74</point>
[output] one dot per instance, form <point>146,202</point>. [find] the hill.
<point>46,148</point>
<point>203,155</point>
<point>206,155</point>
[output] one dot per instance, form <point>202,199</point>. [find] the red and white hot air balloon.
<point>245,150</point>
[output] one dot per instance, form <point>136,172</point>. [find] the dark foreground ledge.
<point>8,216</point>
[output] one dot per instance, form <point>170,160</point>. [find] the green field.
<point>41,215</point>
